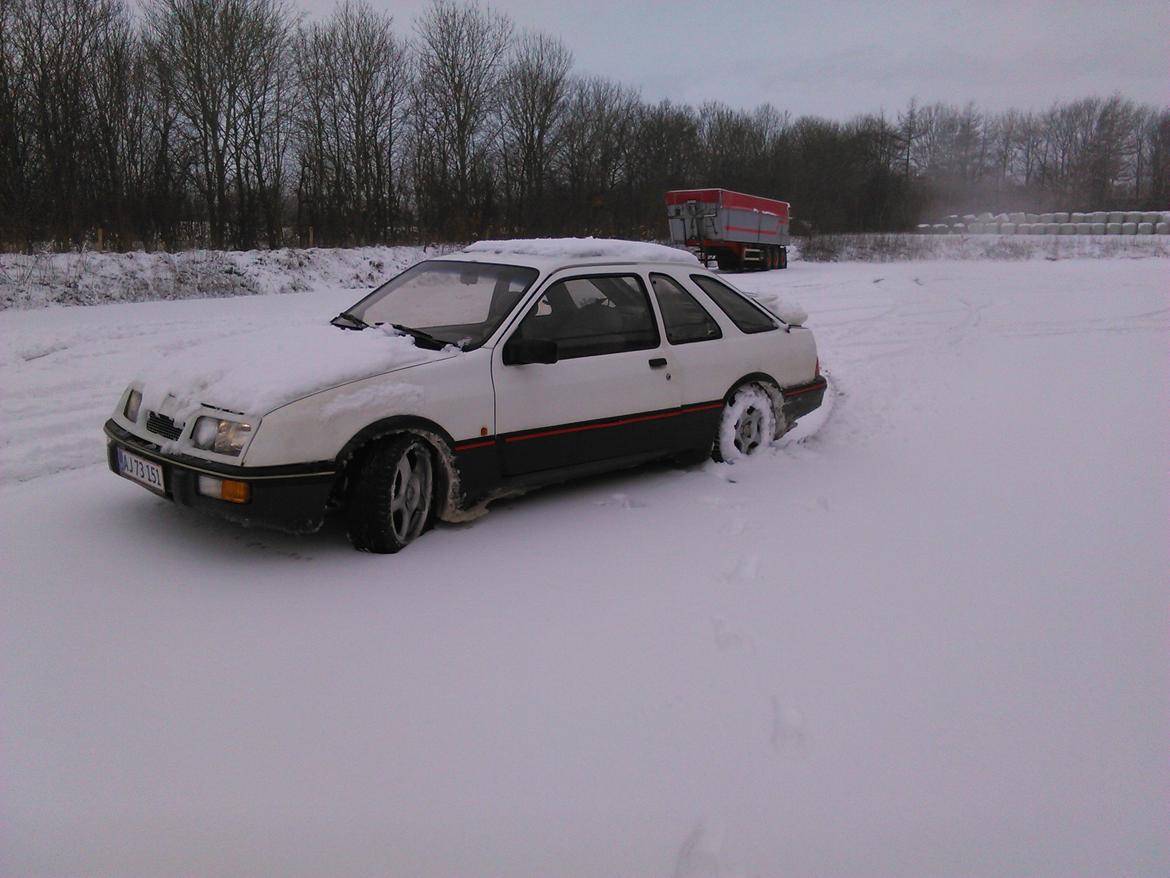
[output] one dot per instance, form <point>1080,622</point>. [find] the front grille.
<point>163,426</point>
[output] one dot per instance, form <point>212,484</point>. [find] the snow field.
<point>925,634</point>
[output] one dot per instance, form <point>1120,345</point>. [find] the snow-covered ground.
<point>926,635</point>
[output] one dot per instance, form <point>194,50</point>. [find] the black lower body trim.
<point>291,498</point>
<point>799,401</point>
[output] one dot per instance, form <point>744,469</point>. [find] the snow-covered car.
<point>507,365</point>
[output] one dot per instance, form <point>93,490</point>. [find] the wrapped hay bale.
<point>1077,218</point>
<point>1060,217</point>
<point>1151,216</point>
<point>1039,228</point>
<point>958,228</point>
<point>1112,228</point>
<point>1053,228</point>
<point>1099,216</point>
<point>941,229</point>
<point>952,219</point>
<point>1162,228</point>
<point>1116,216</point>
<point>1031,218</point>
<point>975,228</point>
<point>923,228</point>
<point>1145,228</point>
<point>1007,228</point>
<point>1017,218</point>
<point>985,217</point>
<point>1068,228</point>
<point>969,218</point>
<point>1024,229</point>
<point>1098,228</point>
<point>1129,228</point>
<point>1133,216</point>
<point>1002,218</point>
<point>991,228</point>
<point>1084,228</point>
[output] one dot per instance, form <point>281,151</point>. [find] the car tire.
<point>391,497</point>
<point>747,425</point>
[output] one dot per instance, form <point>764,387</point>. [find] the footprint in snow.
<point>730,640</point>
<point>746,569</point>
<point>621,501</point>
<point>699,856</point>
<point>787,726</point>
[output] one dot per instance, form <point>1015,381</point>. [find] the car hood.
<point>254,372</point>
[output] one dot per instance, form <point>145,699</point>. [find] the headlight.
<point>220,436</point>
<point>133,403</point>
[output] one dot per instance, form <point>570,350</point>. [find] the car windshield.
<point>444,302</point>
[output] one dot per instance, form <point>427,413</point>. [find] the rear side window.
<point>684,318</point>
<point>588,316</point>
<point>742,313</point>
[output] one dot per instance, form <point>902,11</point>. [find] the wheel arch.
<point>439,440</point>
<point>771,387</point>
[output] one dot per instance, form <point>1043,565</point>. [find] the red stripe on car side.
<point>618,423</point>
<point>468,446</point>
<point>796,391</point>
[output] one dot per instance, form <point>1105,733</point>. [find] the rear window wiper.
<point>420,335</point>
<point>351,321</point>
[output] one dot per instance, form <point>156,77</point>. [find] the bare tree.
<point>222,59</point>
<point>535,88</point>
<point>461,52</point>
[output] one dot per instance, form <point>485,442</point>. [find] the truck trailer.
<point>740,231</point>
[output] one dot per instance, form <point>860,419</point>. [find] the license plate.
<point>134,467</point>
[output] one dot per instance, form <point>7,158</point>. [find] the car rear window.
<point>744,314</point>
<point>684,318</point>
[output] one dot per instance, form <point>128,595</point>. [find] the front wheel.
<point>391,496</point>
<point>747,425</point>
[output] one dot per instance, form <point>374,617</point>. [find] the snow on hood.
<point>584,248</point>
<point>256,372</point>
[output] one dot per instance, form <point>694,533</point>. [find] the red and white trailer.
<point>740,231</point>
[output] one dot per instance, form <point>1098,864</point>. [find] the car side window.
<point>588,316</point>
<point>735,305</point>
<point>684,318</point>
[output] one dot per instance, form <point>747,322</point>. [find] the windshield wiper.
<point>420,335</point>
<point>352,321</point>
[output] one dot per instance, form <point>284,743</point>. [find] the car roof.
<point>550,254</point>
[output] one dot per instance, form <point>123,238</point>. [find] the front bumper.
<point>799,401</point>
<point>289,498</point>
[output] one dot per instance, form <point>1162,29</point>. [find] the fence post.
<point>99,239</point>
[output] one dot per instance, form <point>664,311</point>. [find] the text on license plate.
<point>134,467</point>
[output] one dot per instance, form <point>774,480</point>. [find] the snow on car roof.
<point>582,248</point>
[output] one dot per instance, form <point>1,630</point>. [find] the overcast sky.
<point>836,59</point>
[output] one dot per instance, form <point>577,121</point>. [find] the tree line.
<point>236,124</point>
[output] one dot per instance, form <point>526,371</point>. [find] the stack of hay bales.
<point>1097,222</point>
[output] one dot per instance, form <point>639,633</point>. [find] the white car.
<point>506,365</point>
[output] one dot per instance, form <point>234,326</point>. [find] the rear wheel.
<point>747,425</point>
<point>391,496</point>
<point>783,261</point>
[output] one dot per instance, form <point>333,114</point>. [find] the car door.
<point>610,394</point>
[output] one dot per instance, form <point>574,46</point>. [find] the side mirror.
<point>520,351</point>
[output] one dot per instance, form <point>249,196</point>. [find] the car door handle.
<point>658,363</point>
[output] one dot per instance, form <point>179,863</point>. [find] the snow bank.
<point>584,248</point>
<point>89,278</point>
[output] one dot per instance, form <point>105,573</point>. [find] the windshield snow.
<point>456,302</point>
